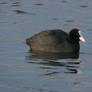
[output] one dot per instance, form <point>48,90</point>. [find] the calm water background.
<point>20,19</point>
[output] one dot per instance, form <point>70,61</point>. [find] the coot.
<point>56,41</point>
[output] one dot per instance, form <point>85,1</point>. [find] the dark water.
<point>20,19</point>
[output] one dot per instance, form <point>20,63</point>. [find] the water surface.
<point>20,19</point>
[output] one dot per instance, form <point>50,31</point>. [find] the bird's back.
<point>50,41</point>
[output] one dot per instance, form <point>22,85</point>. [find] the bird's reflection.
<point>46,55</point>
<point>48,60</point>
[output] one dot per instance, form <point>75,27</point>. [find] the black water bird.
<point>56,41</point>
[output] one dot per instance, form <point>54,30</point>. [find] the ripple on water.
<point>15,4</point>
<point>39,4</point>
<point>55,19</point>
<point>64,1</point>
<point>23,12</point>
<point>20,12</point>
<point>70,21</point>
<point>3,3</point>
<point>83,6</point>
